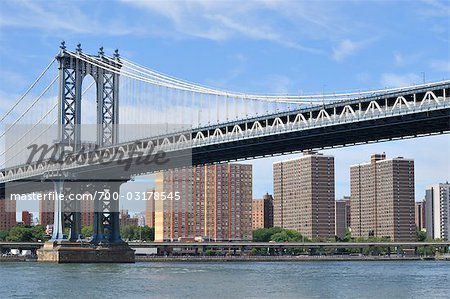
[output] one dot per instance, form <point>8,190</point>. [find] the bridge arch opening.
<point>88,121</point>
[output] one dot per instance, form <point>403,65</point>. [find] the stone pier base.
<point>75,252</point>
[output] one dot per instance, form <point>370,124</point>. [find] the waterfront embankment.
<point>277,258</point>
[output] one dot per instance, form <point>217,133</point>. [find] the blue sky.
<point>252,46</point>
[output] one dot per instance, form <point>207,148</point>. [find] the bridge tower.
<point>73,68</point>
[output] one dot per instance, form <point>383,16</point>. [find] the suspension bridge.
<point>98,113</point>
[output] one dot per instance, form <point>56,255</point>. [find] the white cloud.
<point>6,101</point>
<point>435,8</point>
<point>279,84</point>
<point>60,17</point>
<point>11,78</point>
<point>441,65</point>
<point>363,77</point>
<point>220,20</point>
<point>283,22</point>
<point>298,25</point>
<point>396,80</point>
<point>347,47</point>
<point>402,59</point>
<point>399,58</point>
<point>241,57</point>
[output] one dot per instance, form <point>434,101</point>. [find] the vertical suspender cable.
<point>217,107</point>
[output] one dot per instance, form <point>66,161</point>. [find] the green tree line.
<point>277,234</point>
<point>23,233</point>
<point>127,232</point>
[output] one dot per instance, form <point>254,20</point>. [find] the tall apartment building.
<point>150,208</point>
<point>7,214</point>
<point>87,212</point>
<point>126,219</point>
<point>262,212</point>
<point>437,210</point>
<point>214,203</point>
<point>382,198</point>
<point>26,218</point>
<point>46,210</point>
<point>304,195</point>
<point>257,213</point>
<point>420,215</point>
<point>342,216</point>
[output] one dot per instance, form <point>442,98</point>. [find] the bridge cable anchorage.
<point>19,100</point>
<point>29,107</point>
<point>43,131</point>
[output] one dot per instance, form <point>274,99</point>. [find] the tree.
<point>347,236</point>
<point>127,232</point>
<point>265,234</point>
<point>20,234</point>
<point>288,235</point>
<point>147,233</point>
<point>38,232</point>
<point>3,235</point>
<point>421,235</point>
<point>87,231</point>
<point>261,235</point>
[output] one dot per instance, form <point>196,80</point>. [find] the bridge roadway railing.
<point>280,123</point>
<point>302,122</point>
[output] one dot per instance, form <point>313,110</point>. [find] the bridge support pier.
<point>106,214</point>
<point>106,245</point>
<point>58,234</point>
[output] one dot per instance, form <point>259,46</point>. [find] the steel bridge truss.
<point>72,71</point>
<point>303,121</point>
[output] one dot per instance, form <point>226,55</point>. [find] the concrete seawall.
<point>275,258</point>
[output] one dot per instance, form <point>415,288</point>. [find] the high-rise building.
<point>268,210</point>
<point>342,216</point>
<point>27,218</point>
<point>420,215</point>
<point>262,212</point>
<point>304,195</point>
<point>126,219</point>
<point>7,214</point>
<point>211,202</point>
<point>150,208</point>
<point>437,211</point>
<point>87,212</point>
<point>257,213</point>
<point>46,209</point>
<point>382,198</point>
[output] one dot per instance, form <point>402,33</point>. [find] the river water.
<point>352,279</point>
